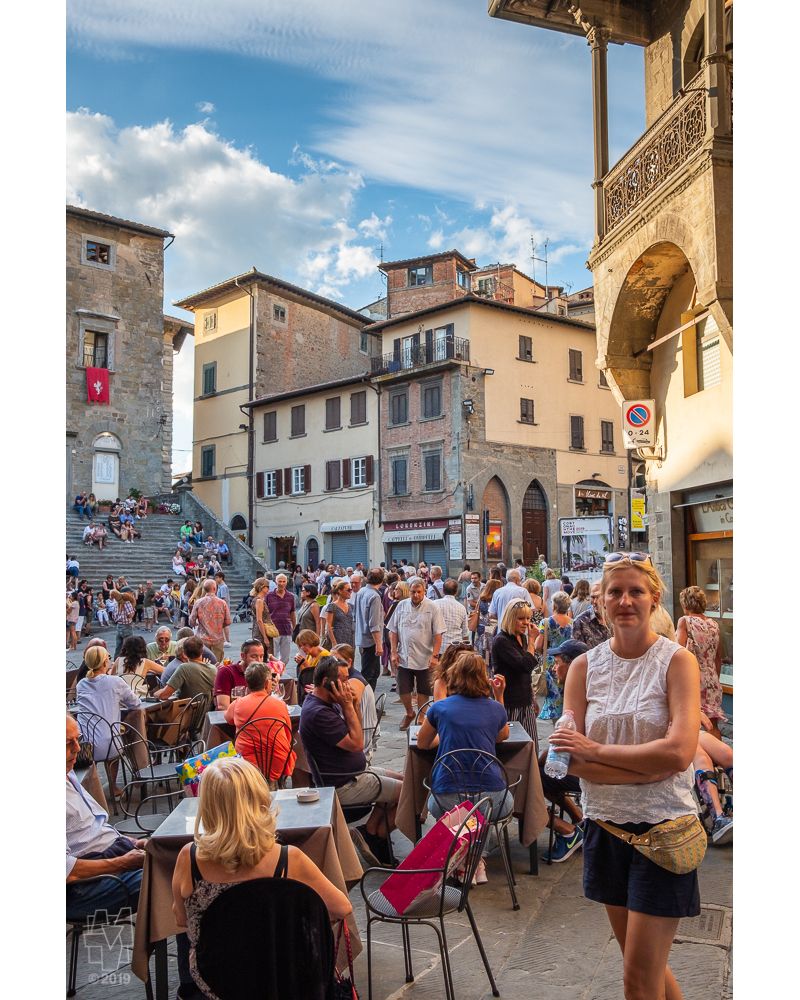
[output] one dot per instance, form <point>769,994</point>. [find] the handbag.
<point>472,620</point>
<point>344,987</point>
<point>270,629</point>
<point>679,845</point>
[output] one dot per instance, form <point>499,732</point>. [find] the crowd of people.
<point>481,654</point>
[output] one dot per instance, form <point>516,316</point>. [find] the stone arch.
<point>535,521</point>
<point>692,41</point>
<point>495,499</point>
<point>238,522</point>
<point>107,449</point>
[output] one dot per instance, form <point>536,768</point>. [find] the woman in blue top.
<point>467,719</point>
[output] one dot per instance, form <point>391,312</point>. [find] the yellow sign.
<point>637,514</point>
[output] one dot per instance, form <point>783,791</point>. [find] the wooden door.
<point>534,535</point>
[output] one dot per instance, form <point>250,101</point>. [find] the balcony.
<point>657,156</point>
<point>412,356</point>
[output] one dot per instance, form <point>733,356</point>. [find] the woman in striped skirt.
<point>513,656</point>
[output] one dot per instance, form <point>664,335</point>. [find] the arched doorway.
<point>534,523</point>
<point>105,466</point>
<point>238,522</point>
<point>495,500</point>
<point>312,553</point>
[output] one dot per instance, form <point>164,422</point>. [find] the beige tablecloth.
<point>520,759</point>
<point>90,780</point>
<point>329,847</point>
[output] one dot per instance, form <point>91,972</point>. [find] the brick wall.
<point>404,299</point>
<point>311,346</point>
<point>141,382</point>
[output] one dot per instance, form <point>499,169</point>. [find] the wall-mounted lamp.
<point>488,371</point>
<point>243,427</point>
<point>468,405</point>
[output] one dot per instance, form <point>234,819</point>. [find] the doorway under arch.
<point>534,523</point>
<point>312,553</point>
<point>238,522</point>
<point>105,466</point>
<point>495,500</point>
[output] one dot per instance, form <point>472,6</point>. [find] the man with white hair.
<point>356,582</point>
<point>436,586</point>
<point>163,649</point>
<point>281,604</point>
<point>209,617</point>
<point>504,595</point>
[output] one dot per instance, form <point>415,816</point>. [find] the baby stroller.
<point>244,612</point>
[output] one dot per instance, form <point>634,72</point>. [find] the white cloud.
<point>228,211</point>
<point>436,240</point>
<point>440,96</point>
<point>375,228</point>
<point>206,107</point>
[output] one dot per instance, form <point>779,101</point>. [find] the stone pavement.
<point>557,946</point>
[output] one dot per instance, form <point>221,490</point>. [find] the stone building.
<point>663,272</point>
<point>489,407</point>
<point>115,322</point>
<point>256,335</point>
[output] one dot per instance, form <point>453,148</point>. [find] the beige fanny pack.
<point>679,845</point>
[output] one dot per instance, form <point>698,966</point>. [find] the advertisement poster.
<point>455,540</point>
<point>637,513</point>
<point>494,541</point>
<point>585,542</point>
<point>472,536</point>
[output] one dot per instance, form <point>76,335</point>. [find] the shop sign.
<point>472,536</point>
<point>639,423</point>
<point>714,515</point>
<point>586,494</point>
<point>414,525</point>
<point>455,540</point>
<point>637,513</point>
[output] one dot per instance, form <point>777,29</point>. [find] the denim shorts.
<point>616,874</point>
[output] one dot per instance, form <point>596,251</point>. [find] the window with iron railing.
<point>95,349</point>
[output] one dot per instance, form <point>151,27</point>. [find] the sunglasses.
<point>639,557</point>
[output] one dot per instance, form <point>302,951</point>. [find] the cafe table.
<point>141,721</point>
<point>318,829</point>
<point>517,754</point>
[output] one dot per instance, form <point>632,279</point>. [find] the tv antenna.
<point>542,260</point>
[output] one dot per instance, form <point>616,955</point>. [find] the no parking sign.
<point>639,423</point>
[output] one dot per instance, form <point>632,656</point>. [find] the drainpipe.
<point>380,455</point>
<point>250,417</point>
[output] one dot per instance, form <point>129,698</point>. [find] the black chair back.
<point>191,719</point>
<point>471,772</point>
<point>380,708</point>
<point>126,739</point>
<point>423,711</point>
<point>258,741</point>
<point>97,731</point>
<point>284,942</point>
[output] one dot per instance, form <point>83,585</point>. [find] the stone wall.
<point>311,346</point>
<point>140,410</point>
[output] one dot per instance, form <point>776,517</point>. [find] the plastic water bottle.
<point>557,763</point>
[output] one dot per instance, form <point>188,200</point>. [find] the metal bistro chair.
<point>355,812</point>
<point>422,711</point>
<point>72,675</point>
<point>433,909</point>
<point>263,747</point>
<point>100,918</point>
<point>184,731</point>
<point>380,709</point>
<point>468,772</point>
<point>128,743</point>
<point>95,729</point>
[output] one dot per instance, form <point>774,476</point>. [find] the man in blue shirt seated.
<point>330,729</point>
<point>95,848</point>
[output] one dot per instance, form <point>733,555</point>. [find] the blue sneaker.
<point>565,847</point>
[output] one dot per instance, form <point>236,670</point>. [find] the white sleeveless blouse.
<point>626,704</point>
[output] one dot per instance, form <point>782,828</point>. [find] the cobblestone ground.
<point>557,946</point>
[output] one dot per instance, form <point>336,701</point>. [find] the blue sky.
<point>301,135</point>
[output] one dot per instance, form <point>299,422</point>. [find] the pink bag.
<point>431,852</point>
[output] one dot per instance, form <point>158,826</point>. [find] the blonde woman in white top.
<point>636,703</point>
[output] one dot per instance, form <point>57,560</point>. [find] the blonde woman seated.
<point>237,844</point>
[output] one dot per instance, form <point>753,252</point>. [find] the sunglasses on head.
<point>639,557</point>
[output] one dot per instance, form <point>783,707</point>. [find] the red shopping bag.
<point>431,852</point>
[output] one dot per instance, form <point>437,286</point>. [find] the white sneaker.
<point>226,644</point>
<point>481,878</point>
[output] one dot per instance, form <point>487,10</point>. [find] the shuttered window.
<point>526,411</point>
<point>432,400</point>
<point>399,476</point>
<point>298,420</point>
<point>398,407</point>
<point>209,378</point>
<point>525,349</point>
<point>433,470</point>
<point>576,432</point>
<point>358,407</point>
<point>333,475</point>
<point>606,436</point>
<point>297,479</point>
<point>708,357</point>
<point>333,413</point>
<point>268,484</point>
<point>576,365</point>
<point>207,456</point>
<point>271,426</point>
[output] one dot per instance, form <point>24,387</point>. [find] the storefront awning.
<point>694,503</point>
<point>415,535</point>
<point>332,527</point>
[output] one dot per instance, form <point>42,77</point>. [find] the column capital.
<point>596,35</point>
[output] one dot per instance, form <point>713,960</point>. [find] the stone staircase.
<point>149,558</point>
